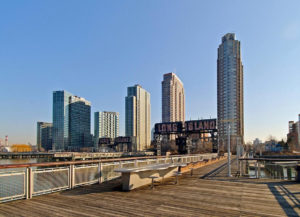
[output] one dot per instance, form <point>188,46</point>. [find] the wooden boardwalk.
<point>214,195</point>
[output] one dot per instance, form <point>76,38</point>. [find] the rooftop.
<point>171,75</point>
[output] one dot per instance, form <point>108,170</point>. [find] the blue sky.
<point>95,49</point>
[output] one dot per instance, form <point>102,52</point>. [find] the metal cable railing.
<point>37,179</point>
<point>12,185</point>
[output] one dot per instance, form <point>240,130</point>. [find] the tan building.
<point>230,92</point>
<point>173,99</point>
<point>138,116</point>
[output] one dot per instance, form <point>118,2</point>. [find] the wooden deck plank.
<point>215,195</point>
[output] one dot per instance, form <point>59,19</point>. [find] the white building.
<point>137,116</point>
<point>106,124</point>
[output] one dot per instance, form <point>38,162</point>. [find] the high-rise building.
<point>106,124</point>
<point>46,137</point>
<point>79,123</point>
<point>60,117</point>
<point>291,123</point>
<point>298,129</point>
<point>138,116</point>
<point>293,135</point>
<point>230,91</point>
<point>39,137</point>
<point>173,99</point>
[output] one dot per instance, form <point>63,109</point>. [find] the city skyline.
<point>97,55</point>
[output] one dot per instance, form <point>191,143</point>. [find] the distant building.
<point>293,136</point>
<point>273,146</point>
<point>106,124</point>
<point>173,99</point>
<point>61,101</point>
<point>138,116</point>
<point>20,148</point>
<point>71,122</point>
<point>258,146</point>
<point>230,91</point>
<point>79,123</point>
<point>257,141</point>
<point>298,131</point>
<point>291,123</point>
<point>39,137</point>
<point>46,137</point>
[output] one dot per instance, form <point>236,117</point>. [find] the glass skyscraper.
<point>44,139</point>
<point>79,123</point>
<point>60,117</point>
<point>137,116</point>
<point>230,91</point>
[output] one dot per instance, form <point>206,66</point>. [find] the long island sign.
<point>188,126</point>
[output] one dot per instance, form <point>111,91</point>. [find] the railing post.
<point>135,163</point>
<point>72,176</point>
<point>29,183</point>
<point>241,167</point>
<point>259,174</point>
<point>256,172</point>
<point>100,172</point>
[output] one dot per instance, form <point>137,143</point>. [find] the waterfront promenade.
<point>203,194</point>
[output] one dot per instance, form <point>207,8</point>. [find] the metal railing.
<point>44,178</point>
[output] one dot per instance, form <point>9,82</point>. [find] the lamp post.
<point>228,146</point>
<point>228,150</point>
<point>238,152</point>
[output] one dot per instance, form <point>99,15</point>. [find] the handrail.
<point>62,163</point>
<point>270,159</point>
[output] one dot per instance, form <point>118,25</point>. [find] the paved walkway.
<point>197,195</point>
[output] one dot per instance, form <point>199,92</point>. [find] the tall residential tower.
<point>173,99</point>
<point>230,91</point>
<point>106,124</point>
<point>137,116</point>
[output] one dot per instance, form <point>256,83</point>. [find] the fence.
<point>44,178</point>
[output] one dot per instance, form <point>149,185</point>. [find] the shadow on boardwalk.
<point>287,199</point>
<point>280,197</point>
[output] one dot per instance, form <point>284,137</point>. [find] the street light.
<point>228,146</point>
<point>228,151</point>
